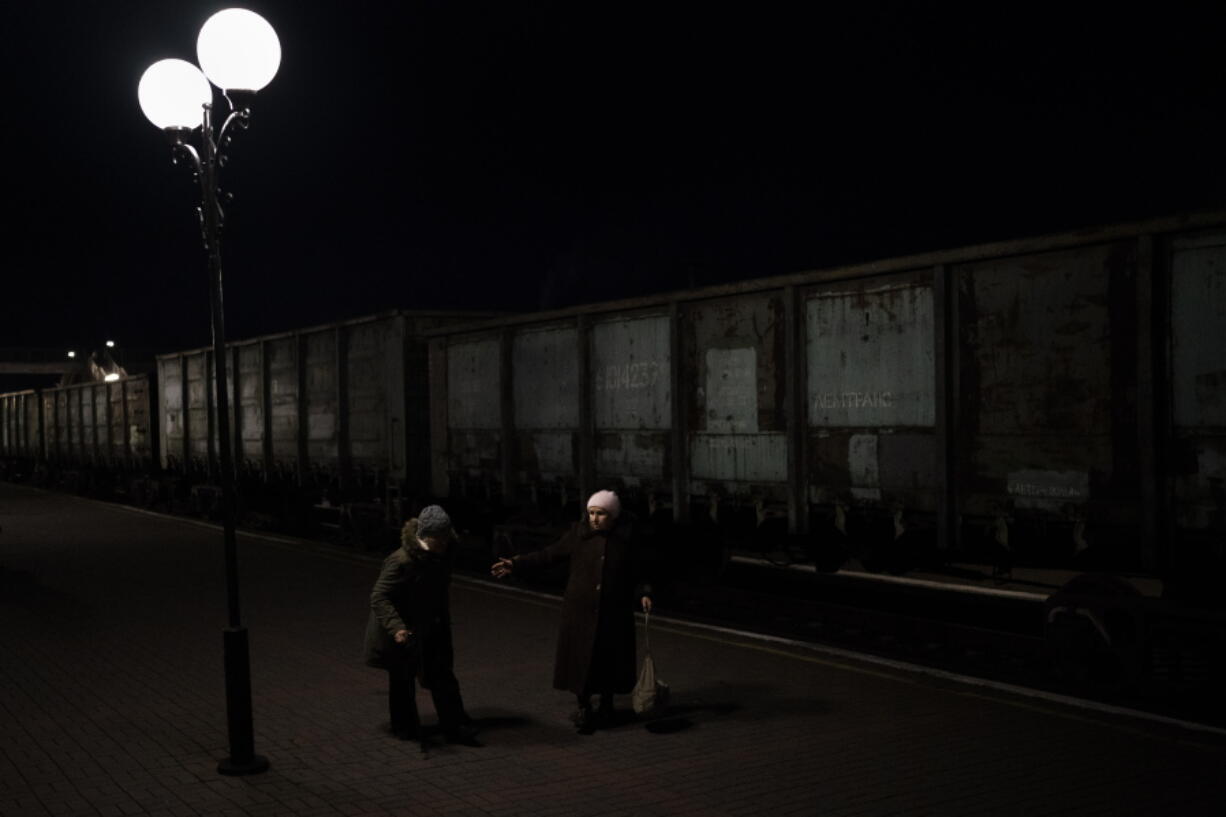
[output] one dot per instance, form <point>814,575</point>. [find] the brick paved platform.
<point>112,703</point>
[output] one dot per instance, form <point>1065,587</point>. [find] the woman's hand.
<point>646,601</point>
<point>502,568</point>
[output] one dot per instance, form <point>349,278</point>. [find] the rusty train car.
<point>87,433</point>
<point>1056,401</point>
<point>329,426</point>
<point>1038,401</point>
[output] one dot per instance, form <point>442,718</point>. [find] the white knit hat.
<point>607,500</point>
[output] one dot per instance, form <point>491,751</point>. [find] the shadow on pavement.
<point>27,588</point>
<point>496,722</point>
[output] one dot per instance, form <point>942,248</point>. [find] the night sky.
<point>517,156</point>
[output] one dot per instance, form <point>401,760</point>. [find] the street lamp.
<point>239,53</point>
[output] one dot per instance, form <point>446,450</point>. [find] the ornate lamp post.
<point>239,52</point>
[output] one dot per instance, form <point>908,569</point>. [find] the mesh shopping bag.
<point>650,694</point>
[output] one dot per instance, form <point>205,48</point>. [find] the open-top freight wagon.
<point>92,437</point>
<point>1052,401</point>
<point>1059,401</point>
<point>329,426</point>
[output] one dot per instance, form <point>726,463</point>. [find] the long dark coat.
<point>412,593</point>
<point>597,608</point>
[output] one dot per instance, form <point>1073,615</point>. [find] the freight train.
<point>1056,401</point>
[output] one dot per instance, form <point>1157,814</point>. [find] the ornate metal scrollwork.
<point>205,168</point>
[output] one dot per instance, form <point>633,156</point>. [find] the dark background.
<point>516,156</point>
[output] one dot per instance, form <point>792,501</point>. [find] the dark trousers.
<point>402,701</point>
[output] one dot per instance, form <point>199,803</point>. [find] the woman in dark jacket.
<point>595,651</point>
<point>409,629</point>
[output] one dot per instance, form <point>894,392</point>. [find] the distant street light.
<point>110,344</point>
<point>71,355</point>
<point>239,53</point>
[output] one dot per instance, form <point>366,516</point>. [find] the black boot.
<point>583,718</point>
<point>604,716</point>
<point>402,706</point>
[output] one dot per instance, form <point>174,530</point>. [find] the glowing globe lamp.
<point>238,50</point>
<point>171,93</point>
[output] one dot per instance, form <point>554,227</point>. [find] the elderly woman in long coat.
<point>409,629</point>
<point>595,652</point>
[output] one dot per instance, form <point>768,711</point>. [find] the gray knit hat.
<point>433,521</point>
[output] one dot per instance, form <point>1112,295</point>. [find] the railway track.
<point>1175,670</point>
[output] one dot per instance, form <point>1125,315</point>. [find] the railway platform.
<point>112,703</point>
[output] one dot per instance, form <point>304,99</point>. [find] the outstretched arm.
<point>541,558</point>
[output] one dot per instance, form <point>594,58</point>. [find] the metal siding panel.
<point>36,424</point>
<point>1198,325</point>
<point>739,457</point>
<point>170,399</point>
<point>283,397</point>
<point>54,419</point>
<point>1036,377</point>
<point>864,467</point>
<point>321,398</point>
<point>89,447</point>
<point>1198,381</point>
<point>117,422</point>
<point>232,406</point>
<point>249,403</point>
<point>632,455</point>
<point>137,392</point>
<point>630,382</point>
<point>473,385</point>
<point>367,354</point>
<point>546,455</point>
<point>76,424</point>
<point>476,452</point>
<point>1049,421</point>
<point>198,401</point>
<point>63,428</point>
<point>735,347</point>
<point>738,330</point>
<point>546,379</point>
<point>102,431</point>
<point>1199,502</point>
<point>1039,339</point>
<point>89,428</point>
<point>731,390</point>
<point>870,358</point>
<point>412,420</point>
<point>408,420</point>
<point>907,470</point>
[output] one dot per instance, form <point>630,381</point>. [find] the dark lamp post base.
<point>257,764</point>
<point>242,759</point>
